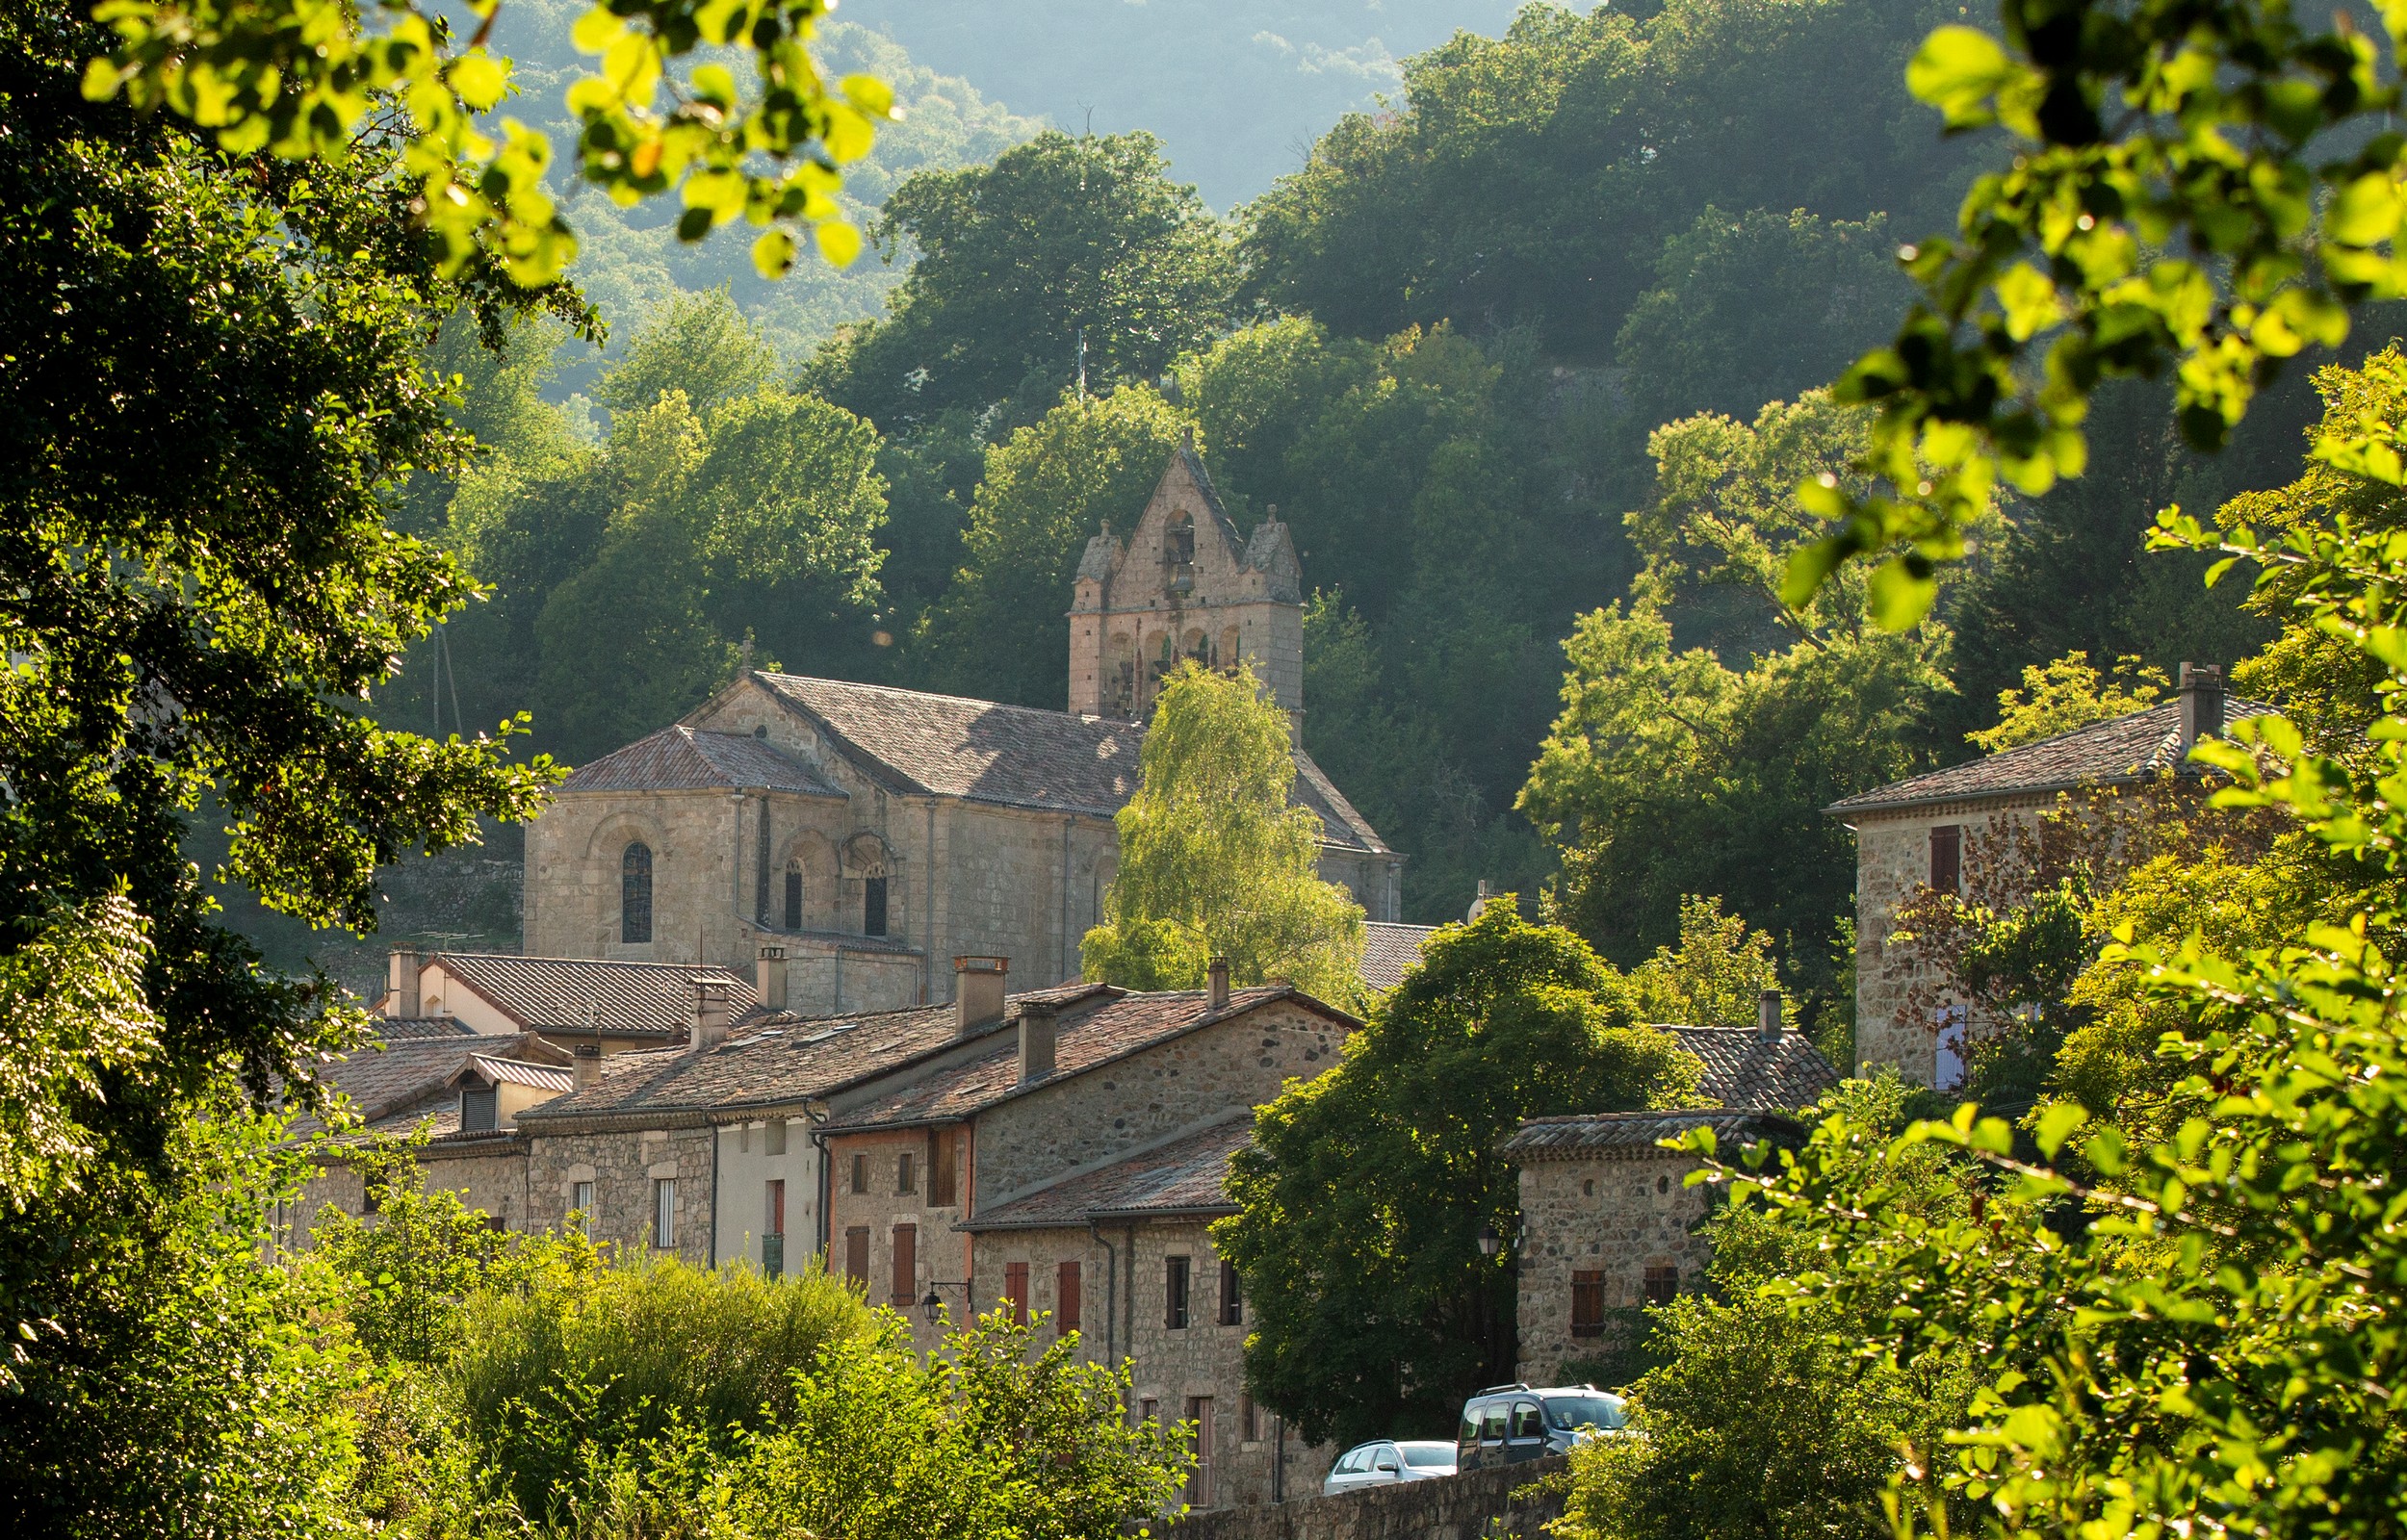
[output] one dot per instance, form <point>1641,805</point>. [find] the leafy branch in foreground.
<point>2201,186</point>
<point>303,79</point>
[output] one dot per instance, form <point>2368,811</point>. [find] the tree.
<point>1068,260</point>
<point>2068,694</point>
<point>1215,861</point>
<point>1362,1197</point>
<point>699,344</point>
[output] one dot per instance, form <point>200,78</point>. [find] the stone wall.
<point>1474,1507</point>
<point>1616,1216</point>
<point>622,1167</point>
<point>491,1176</point>
<point>941,1253</point>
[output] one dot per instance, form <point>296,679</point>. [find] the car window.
<point>1385,1458</point>
<point>1525,1423</point>
<point>1492,1423</point>
<point>1427,1456</point>
<point>1469,1433</point>
<point>1568,1412</point>
<point>1354,1461</point>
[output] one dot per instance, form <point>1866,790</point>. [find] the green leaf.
<point>1900,597</point>
<point>1958,69</point>
<point>773,253</point>
<point>2057,1123</point>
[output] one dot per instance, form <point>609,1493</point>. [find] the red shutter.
<point>1067,1301</point>
<point>906,1265</point>
<point>1016,1291</point>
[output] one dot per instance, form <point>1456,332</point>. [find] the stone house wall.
<point>491,1178</point>
<point>940,1252</point>
<point>622,1167</point>
<point>1616,1213</point>
<point>1090,1119</point>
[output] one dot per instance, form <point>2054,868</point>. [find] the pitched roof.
<point>684,759</point>
<point>1633,1135</point>
<point>381,1076</point>
<point>2120,748</point>
<point>577,994</point>
<point>1016,755</point>
<point>1087,1040</point>
<point>1186,1176</point>
<point>517,1072</point>
<point>780,1059</point>
<point>1389,950</point>
<point>1743,1069</point>
<point>396,1029</point>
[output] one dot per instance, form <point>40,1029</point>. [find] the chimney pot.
<point>587,1066</point>
<point>1040,1033</point>
<point>1768,1013</point>
<point>401,998</point>
<point>709,1014</point>
<point>2202,702</point>
<point>1216,980</point>
<point>978,988</point>
<point>768,977</point>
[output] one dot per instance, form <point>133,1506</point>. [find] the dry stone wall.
<point>1520,1500</point>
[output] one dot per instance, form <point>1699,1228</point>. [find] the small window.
<point>1231,1302</point>
<point>1068,1286</point>
<point>580,1204</point>
<point>874,905</point>
<point>773,1137</point>
<point>1492,1423</point>
<point>370,1193</point>
<point>1200,1473</point>
<point>1248,1419</point>
<point>794,898</point>
<point>1016,1292</point>
<point>1947,858</point>
<point>857,1256</point>
<point>860,1173</point>
<point>1527,1423</point>
<point>906,1173</point>
<point>1149,1410</point>
<point>476,1109</point>
<point>664,1210</point>
<point>1588,1304</point>
<point>1663,1282</point>
<point>634,893</point>
<point>1175,1293</point>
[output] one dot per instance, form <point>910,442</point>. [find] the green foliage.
<point>1046,490</point>
<point>699,344</point>
<point>1363,1195</point>
<point>1214,860</point>
<point>1713,978</point>
<point>2067,694</point>
<point>1059,239</point>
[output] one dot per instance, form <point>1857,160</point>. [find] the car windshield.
<point>1584,1411</point>
<point>1428,1455</point>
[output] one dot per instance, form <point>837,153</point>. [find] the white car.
<point>1385,1462</point>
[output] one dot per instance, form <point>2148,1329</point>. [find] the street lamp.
<point>1489,1241</point>
<point>933,1306</point>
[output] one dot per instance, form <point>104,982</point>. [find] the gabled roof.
<point>1636,1136</point>
<point>684,759</point>
<point>580,994</point>
<point>1389,950</point>
<point>2118,750</point>
<point>1187,1176</point>
<point>781,1059</point>
<point>397,1029</point>
<point>1089,1040</point>
<point>496,1070</point>
<point>913,742</point>
<point>1746,1070</point>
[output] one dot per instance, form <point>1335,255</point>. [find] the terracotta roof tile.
<point>684,759</point>
<point>1746,1070</point>
<point>2119,749</point>
<point>1184,1175</point>
<point>562,994</point>
<point>1631,1136</point>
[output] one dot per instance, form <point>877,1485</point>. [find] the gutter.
<point>1111,1298</point>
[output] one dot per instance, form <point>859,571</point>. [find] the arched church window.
<point>1199,648</point>
<point>634,893</point>
<point>793,895</point>
<point>874,905</point>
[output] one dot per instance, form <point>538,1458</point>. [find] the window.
<point>1663,1281</point>
<point>874,905</point>
<point>1180,549</point>
<point>476,1109</point>
<point>1231,1302</point>
<point>1016,1291</point>
<point>793,897</point>
<point>906,1266</point>
<point>370,1193</point>
<point>940,1168</point>
<point>1527,1423</point>
<point>1200,1473</point>
<point>1947,858</point>
<point>857,1256</point>
<point>664,1210</point>
<point>1175,1293</point>
<point>634,893</point>
<point>1248,1419</point>
<point>580,1204</point>
<point>860,1173</point>
<point>773,1137</point>
<point>1492,1423</point>
<point>1148,1410</point>
<point>1067,1287</point>
<point>773,1207</point>
<point>1946,1068</point>
<point>1588,1304</point>
<point>906,1173</point>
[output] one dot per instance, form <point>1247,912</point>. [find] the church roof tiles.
<point>684,759</point>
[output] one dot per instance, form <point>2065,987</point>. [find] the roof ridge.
<point>591,962</point>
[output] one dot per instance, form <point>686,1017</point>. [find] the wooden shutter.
<point>1066,1299</point>
<point>906,1265</point>
<point>1016,1291</point>
<point>856,1255</point>
<point>940,1168</point>
<point>1588,1304</point>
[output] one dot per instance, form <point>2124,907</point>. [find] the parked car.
<point>1384,1461</point>
<point>1505,1424</point>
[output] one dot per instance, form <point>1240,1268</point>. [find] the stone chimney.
<point>402,1000</point>
<point>587,1066</point>
<point>2202,702</point>
<point>1216,984</point>
<point>768,977</point>
<point>978,984</point>
<point>1767,1016</point>
<point>1040,1033</point>
<point>709,1014</point>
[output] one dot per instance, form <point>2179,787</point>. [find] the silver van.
<point>1505,1424</point>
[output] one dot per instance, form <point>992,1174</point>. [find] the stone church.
<point>847,840</point>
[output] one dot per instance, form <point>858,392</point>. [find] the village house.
<point>1913,836</point>
<point>864,832</point>
<point>1608,1222</point>
<point>612,1006</point>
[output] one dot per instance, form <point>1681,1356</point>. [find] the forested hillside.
<point>1525,358</point>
